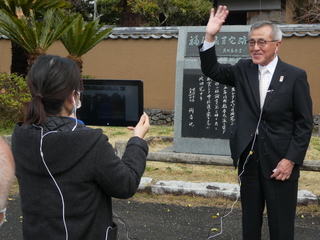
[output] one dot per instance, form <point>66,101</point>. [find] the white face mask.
<point>79,101</point>
<point>78,104</point>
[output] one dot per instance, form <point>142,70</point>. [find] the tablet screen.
<point>111,102</point>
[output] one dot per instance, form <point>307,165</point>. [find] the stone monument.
<point>204,109</point>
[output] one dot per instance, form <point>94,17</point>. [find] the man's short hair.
<point>276,31</point>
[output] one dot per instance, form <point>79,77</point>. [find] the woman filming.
<point>68,172</point>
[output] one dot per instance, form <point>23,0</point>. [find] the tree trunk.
<point>19,60</point>
<point>78,61</point>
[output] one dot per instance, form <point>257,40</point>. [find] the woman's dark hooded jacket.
<point>85,171</point>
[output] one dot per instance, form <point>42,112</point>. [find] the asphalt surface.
<point>156,221</point>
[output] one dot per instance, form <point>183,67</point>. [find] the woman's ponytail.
<point>35,113</point>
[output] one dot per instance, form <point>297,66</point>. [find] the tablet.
<point>111,102</point>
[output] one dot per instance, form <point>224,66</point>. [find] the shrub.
<point>14,93</point>
<point>88,77</point>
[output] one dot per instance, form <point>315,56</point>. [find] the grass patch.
<point>118,133</point>
<point>184,200</point>
<point>190,172</point>
<point>196,201</point>
<point>313,152</point>
<point>124,134</point>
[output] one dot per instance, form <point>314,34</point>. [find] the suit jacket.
<point>286,118</point>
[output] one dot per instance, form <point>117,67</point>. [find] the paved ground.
<point>152,221</point>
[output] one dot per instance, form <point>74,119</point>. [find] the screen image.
<point>111,102</point>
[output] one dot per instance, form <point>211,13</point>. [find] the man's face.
<point>263,48</point>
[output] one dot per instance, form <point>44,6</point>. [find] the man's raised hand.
<point>215,22</point>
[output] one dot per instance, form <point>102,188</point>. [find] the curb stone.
<point>210,190</point>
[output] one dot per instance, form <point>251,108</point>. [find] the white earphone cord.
<point>55,182</point>
<point>53,179</point>
<point>239,179</point>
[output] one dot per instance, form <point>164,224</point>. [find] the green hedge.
<point>14,93</point>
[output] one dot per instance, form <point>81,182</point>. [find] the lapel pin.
<point>281,79</point>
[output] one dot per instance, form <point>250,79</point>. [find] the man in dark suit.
<point>270,137</point>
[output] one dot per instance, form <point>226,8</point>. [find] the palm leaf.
<point>40,6</point>
<point>82,37</point>
<point>36,37</point>
<point>9,5</point>
<point>54,26</point>
<point>15,29</point>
